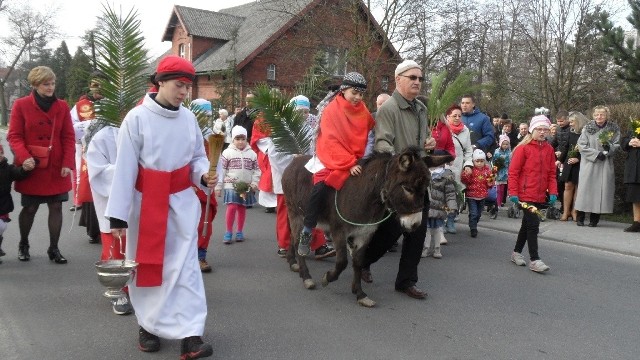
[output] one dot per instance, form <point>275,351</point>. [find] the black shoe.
<point>270,210</point>
<point>394,247</point>
<point>94,240</point>
<point>148,342</point>
<point>593,224</point>
<point>474,233</point>
<point>635,227</point>
<point>580,222</point>
<point>55,256</point>
<point>324,251</point>
<point>74,208</point>
<point>194,348</point>
<point>2,253</point>
<point>23,252</point>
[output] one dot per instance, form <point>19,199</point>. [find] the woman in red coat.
<point>41,120</point>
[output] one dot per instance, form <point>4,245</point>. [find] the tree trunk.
<point>4,112</point>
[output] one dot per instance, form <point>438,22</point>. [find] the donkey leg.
<point>356,285</point>
<point>304,273</point>
<point>341,263</point>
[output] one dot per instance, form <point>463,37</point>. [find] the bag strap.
<point>53,128</point>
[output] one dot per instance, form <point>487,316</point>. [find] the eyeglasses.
<point>414,77</point>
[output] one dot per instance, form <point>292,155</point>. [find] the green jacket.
<point>398,125</point>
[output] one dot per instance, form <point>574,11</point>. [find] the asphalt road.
<point>480,305</point>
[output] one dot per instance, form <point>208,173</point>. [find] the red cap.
<point>175,67</point>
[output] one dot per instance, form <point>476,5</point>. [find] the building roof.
<point>254,26</point>
<point>203,23</point>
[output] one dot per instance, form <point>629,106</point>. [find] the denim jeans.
<point>475,208</point>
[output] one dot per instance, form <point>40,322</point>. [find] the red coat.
<point>478,182</point>
<point>532,172</point>
<point>444,139</point>
<point>30,125</point>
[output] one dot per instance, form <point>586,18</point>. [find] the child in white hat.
<point>478,184</point>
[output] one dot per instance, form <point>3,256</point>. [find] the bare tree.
<point>27,26</point>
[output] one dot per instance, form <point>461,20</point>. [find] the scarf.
<point>44,102</point>
<point>342,138</point>
<point>456,129</point>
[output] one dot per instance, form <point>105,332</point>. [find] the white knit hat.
<point>539,121</point>
<point>478,154</point>
<point>407,65</point>
<point>238,130</point>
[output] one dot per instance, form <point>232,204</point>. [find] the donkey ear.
<point>404,162</point>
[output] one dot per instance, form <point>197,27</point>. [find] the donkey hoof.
<point>309,284</point>
<point>366,302</point>
<point>325,281</point>
<point>294,267</point>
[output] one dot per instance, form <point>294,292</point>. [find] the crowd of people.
<point>147,201</point>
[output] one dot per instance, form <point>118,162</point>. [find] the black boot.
<point>194,348</point>
<point>23,251</point>
<point>635,227</point>
<point>2,253</point>
<point>594,219</point>
<point>580,218</point>
<point>55,256</point>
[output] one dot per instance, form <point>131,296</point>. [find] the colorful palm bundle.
<point>531,208</point>
<point>604,138</point>
<point>241,188</point>
<point>498,163</point>
<point>635,127</point>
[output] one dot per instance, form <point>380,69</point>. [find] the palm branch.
<point>204,121</point>
<point>441,98</point>
<point>289,131</point>
<point>122,60</point>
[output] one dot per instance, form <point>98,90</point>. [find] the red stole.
<point>155,186</point>
<point>261,131</point>
<point>342,139</point>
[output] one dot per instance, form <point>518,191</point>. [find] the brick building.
<point>276,42</point>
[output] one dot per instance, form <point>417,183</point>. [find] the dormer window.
<point>271,72</point>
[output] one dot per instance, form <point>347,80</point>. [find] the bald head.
<point>381,99</point>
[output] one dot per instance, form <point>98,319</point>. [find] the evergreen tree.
<point>78,75</point>
<point>625,52</point>
<point>60,65</point>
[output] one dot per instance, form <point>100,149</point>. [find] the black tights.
<point>28,213</point>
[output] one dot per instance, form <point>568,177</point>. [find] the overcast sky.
<point>74,17</point>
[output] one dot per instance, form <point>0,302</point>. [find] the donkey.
<point>388,184</point>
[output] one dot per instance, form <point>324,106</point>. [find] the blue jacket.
<point>479,124</point>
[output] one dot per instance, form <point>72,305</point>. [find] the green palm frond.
<point>122,59</point>
<point>289,132</point>
<point>204,121</point>
<point>441,98</point>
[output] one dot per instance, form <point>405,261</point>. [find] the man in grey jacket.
<point>401,122</point>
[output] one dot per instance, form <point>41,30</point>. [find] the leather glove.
<point>601,156</point>
<point>514,199</point>
<point>606,147</point>
<point>552,199</point>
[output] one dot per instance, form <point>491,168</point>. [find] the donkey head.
<point>405,187</point>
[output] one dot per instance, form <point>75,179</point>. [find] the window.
<point>271,72</point>
<point>384,82</point>
<point>336,61</point>
<point>181,50</point>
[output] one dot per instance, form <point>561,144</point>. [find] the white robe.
<point>160,139</point>
<point>101,159</point>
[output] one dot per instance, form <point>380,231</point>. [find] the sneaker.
<point>239,236</point>
<point>494,214</point>
<point>450,227</point>
<point>194,348</point>
<point>425,252</point>
<point>474,233</point>
<point>204,266</point>
<point>148,342</point>
<point>437,254</point>
<point>121,306</point>
<point>23,252</point>
<point>443,240</point>
<point>227,238</point>
<point>538,266</point>
<point>517,259</point>
<point>303,245</point>
<point>282,252</point>
<point>325,251</point>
